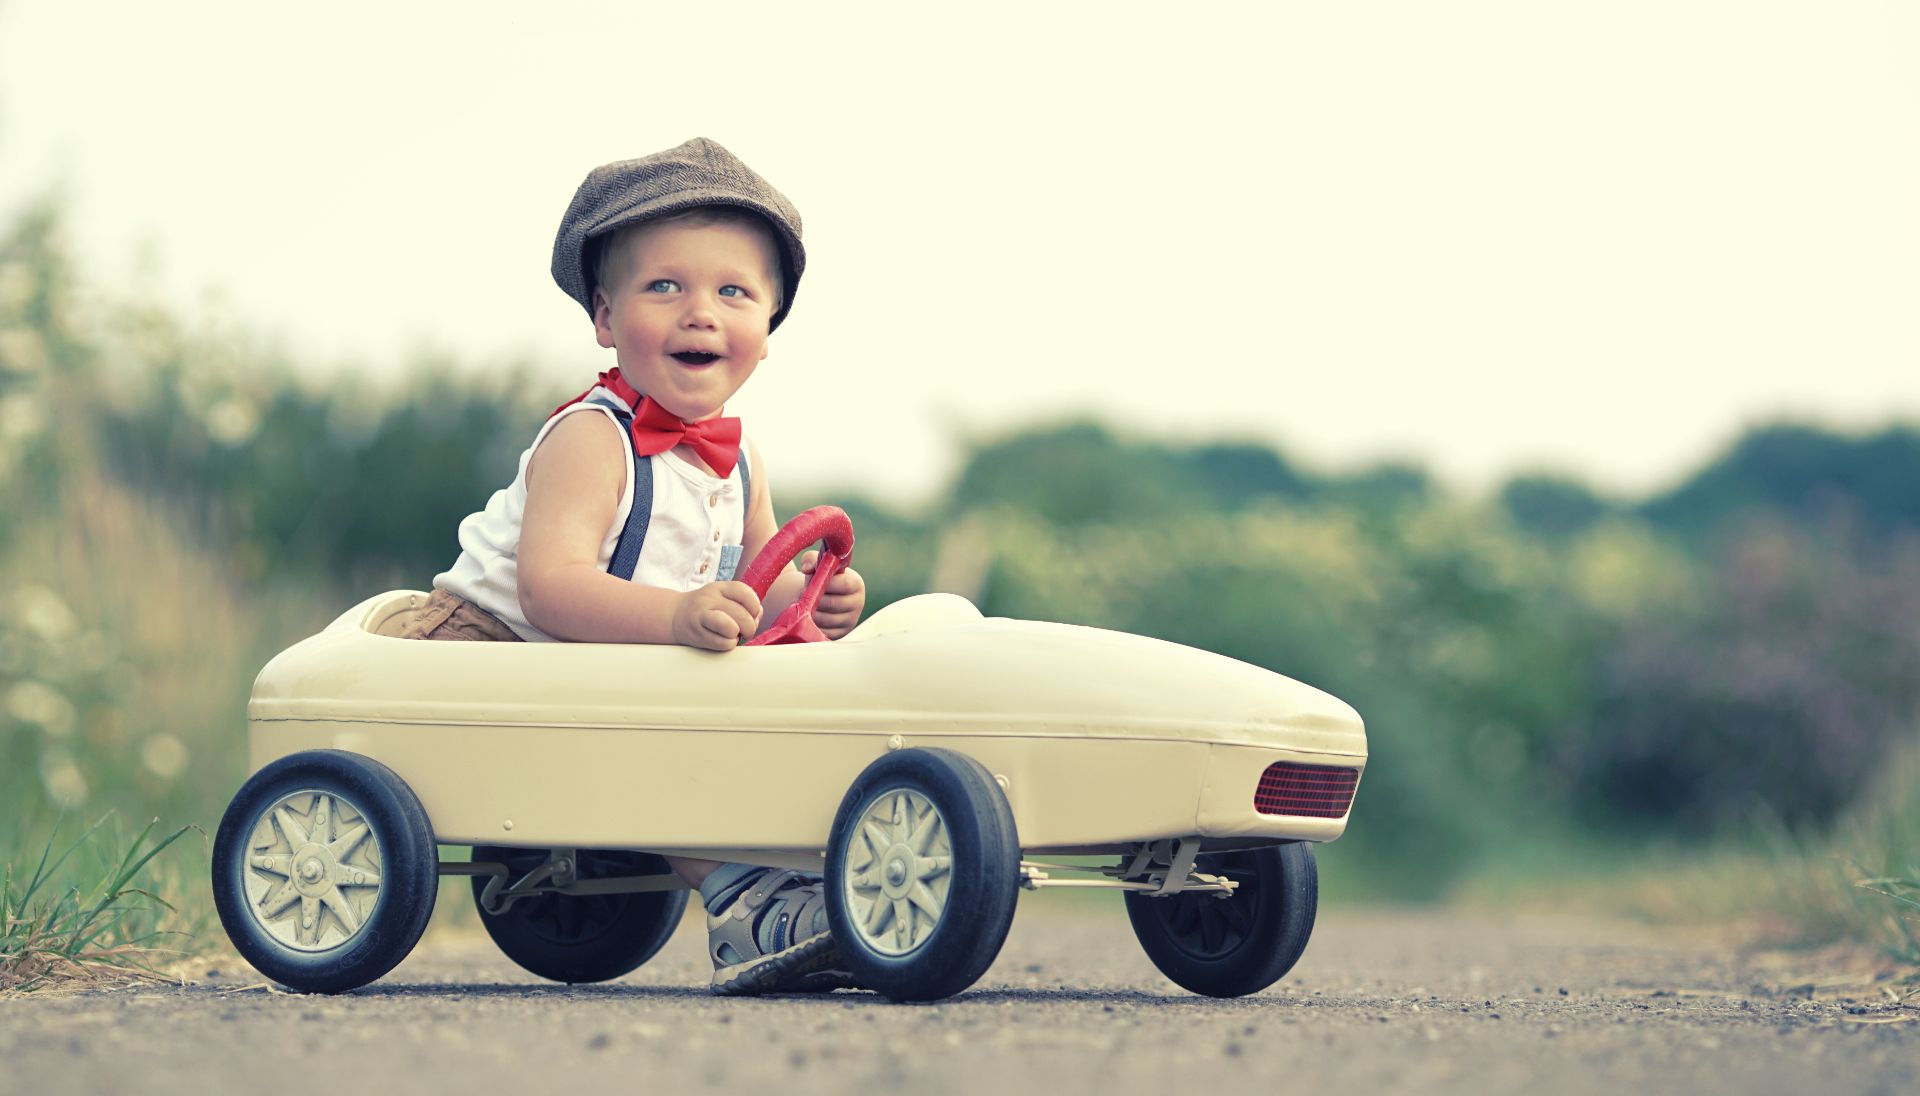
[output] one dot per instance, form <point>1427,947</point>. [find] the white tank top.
<point>694,533</point>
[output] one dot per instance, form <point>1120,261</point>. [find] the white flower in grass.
<point>232,420</point>
<point>63,781</point>
<point>17,286</point>
<point>21,417</point>
<point>39,703</point>
<point>164,755</point>
<point>21,351</point>
<point>42,612</point>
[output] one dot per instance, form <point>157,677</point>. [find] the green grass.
<point>1879,844</point>
<point>64,922</point>
<point>1852,885</point>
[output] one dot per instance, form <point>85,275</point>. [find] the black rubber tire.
<point>984,882</point>
<point>1230,947</point>
<point>582,938</point>
<point>409,871</point>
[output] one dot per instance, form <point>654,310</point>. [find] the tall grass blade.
<point>75,934</point>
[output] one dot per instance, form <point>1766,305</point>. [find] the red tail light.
<point>1310,791</point>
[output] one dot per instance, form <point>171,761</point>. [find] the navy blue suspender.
<point>626,550</point>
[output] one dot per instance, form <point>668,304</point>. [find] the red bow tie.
<point>656,429</point>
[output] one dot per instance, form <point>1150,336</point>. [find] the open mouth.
<point>695,357</point>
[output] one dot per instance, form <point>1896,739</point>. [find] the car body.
<point>1102,741</point>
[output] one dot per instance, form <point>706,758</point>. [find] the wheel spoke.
<point>922,839</point>
<point>932,867</point>
<point>296,836</point>
<point>860,854</point>
<point>310,918</point>
<point>346,875</point>
<point>877,840</point>
<point>1235,912</point>
<point>342,909</point>
<point>1184,917</point>
<point>878,915</point>
<point>279,864</point>
<point>541,912</point>
<point>342,847</point>
<point>1212,935</point>
<point>920,896</point>
<point>321,832</point>
<point>903,921</point>
<point>276,901</point>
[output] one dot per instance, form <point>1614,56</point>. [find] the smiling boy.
<point>638,502</point>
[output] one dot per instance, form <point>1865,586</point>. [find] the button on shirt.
<point>696,517</point>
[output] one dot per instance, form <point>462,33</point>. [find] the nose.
<point>700,315</point>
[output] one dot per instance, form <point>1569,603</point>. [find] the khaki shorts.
<point>450,616</point>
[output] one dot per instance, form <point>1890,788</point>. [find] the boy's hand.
<point>841,602</point>
<point>716,616</point>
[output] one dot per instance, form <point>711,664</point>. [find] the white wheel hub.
<point>898,867</point>
<point>313,871</point>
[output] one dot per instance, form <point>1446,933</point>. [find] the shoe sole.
<point>826,981</point>
<point>789,971</point>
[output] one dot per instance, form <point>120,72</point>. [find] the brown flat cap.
<point>697,173</point>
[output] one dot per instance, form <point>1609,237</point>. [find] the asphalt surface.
<point>1385,1000</point>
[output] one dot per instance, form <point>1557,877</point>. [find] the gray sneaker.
<point>773,938</point>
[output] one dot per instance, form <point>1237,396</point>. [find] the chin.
<point>693,412</point>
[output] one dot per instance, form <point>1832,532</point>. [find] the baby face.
<point>688,312</point>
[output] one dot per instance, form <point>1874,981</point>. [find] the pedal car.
<point>926,763</point>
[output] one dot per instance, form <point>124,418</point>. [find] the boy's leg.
<point>447,616</point>
<point>691,871</point>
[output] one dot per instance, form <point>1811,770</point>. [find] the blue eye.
<point>663,285</point>
<point>732,291</point>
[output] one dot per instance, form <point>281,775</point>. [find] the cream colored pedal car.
<point>927,763</point>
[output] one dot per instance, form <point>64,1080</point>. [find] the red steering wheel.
<point>824,523</point>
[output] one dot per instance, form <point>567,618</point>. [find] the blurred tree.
<point>1080,473</point>
<point>1815,476</point>
<point>1073,474</point>
<point>1241,474</point>
<point>1777,692</point>
<point>1381,489</point>
<point>1552,506</point>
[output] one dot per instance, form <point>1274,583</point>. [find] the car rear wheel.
<point>923,872</point>
<point>1239,944</point>
<point>581,938</point>
<point>324,870</point>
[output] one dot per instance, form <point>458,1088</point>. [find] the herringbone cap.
<point>696,173</point>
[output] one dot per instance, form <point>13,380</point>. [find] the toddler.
<point>636,503</point>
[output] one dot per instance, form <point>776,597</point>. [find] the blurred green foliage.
<point>177,503</point>
<point>1805,475</point>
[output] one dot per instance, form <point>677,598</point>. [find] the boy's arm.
<point>574,481</point>
<point>845,596</point>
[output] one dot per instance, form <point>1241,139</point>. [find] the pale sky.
<point>1595,238</point>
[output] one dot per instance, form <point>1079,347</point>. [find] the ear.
<point>602,319</point>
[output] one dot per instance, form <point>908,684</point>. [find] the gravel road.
<point>1385,1000</point>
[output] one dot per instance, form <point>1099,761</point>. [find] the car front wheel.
<point>923,871</point>
<point>324,870</point>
